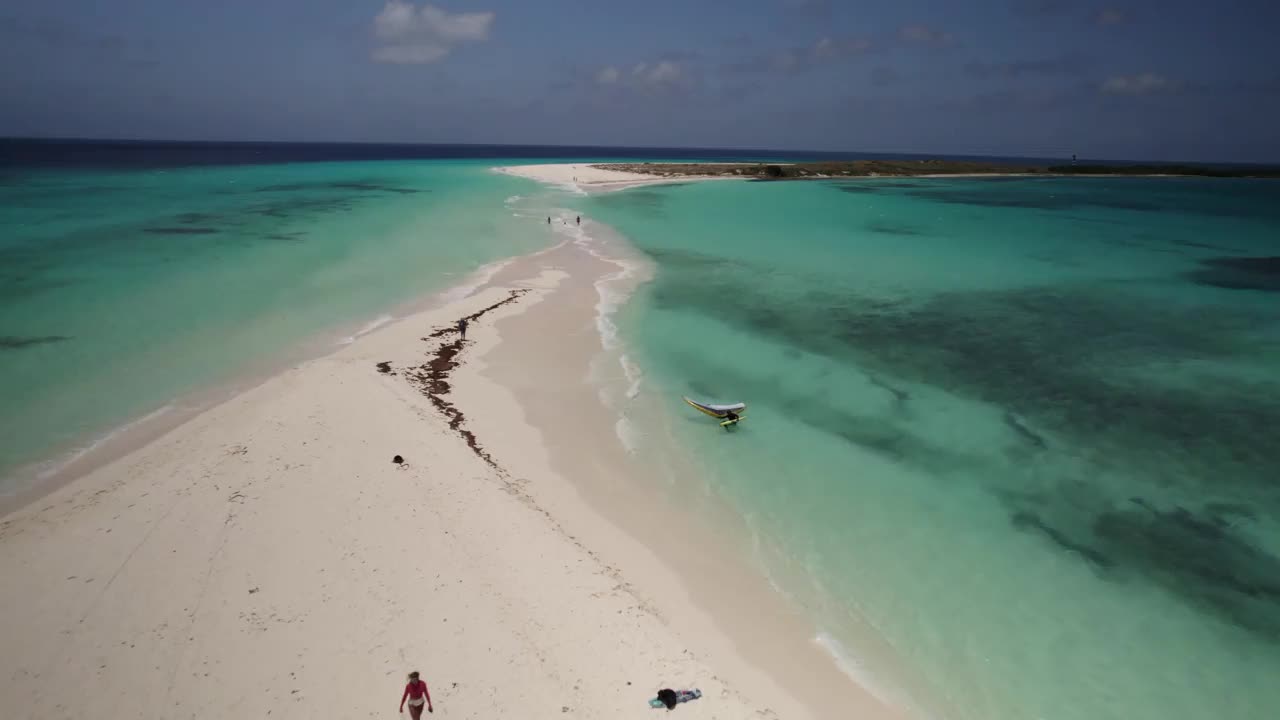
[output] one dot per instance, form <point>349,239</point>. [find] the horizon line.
<point>684,148</point>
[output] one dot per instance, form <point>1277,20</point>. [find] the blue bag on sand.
<point>670,698</point>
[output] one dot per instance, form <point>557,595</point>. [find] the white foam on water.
<point>367,328</point>
<point>610,299</point>
<point>518,210</point>
<point>476,280</point>
<point>607,393</point>
<point>634,375</point>
<point>852,667</point>
<point>60,465</point>
<point>557,246</point>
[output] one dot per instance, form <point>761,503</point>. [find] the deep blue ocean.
<point>126,154</point>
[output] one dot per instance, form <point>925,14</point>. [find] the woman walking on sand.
<point>416,693</point>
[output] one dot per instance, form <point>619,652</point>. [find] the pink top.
<point>415,690</point>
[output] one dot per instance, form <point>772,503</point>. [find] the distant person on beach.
<point>548,219</point>
<point>462,328</point>
<point>579,219</point>
<point>416,693</point>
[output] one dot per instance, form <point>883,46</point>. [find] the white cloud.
<point>1142,84</point>
<point>664,72</point>
<point>413,35</point>
<point>607,76</point>
<point>660,76</point>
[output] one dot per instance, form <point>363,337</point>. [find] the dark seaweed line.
<point>17,342</point>
<point>432,378</point>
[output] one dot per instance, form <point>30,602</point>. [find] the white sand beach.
<point>587,177</point>
<point>268,559</point>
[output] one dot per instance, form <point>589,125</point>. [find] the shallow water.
<point>1008,439</point>
<point>123,289</point>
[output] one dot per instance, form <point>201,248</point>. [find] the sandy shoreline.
<point>586,177</point>
<point>591,178</point>
<point>67,463</point>
<point>266,557</point>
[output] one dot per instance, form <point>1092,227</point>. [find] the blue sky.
<point>1122,79</point>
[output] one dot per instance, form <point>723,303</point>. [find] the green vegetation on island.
<point>917,168</point>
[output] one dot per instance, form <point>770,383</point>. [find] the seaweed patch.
<point>432,377</point>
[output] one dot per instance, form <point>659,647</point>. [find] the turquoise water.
<point>121,290</point>
<point>1011,442</point>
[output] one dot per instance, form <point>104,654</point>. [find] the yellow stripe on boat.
<point>720,411</point>
<point>704,409</point>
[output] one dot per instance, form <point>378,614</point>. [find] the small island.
<point>923,168</point>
